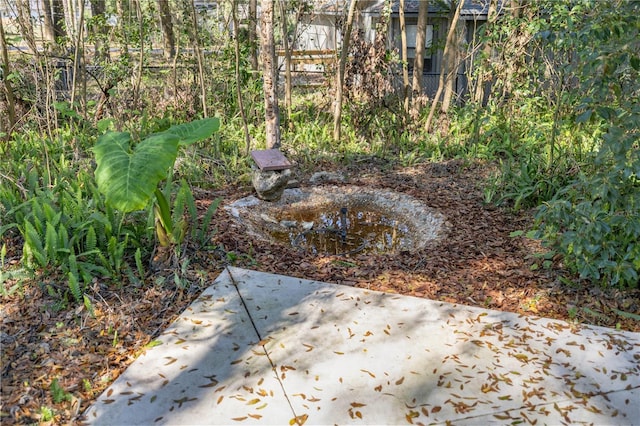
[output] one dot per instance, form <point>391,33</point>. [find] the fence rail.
<point>310,57</point>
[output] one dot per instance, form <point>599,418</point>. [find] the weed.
<point>47,414</point>
<point>232,257</point>
<point>58,394</point>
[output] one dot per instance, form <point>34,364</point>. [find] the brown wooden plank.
<point>270,159</point>
<point>313,60</point>
<point>281,52</point>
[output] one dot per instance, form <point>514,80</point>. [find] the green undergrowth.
<point>51,206</point>
<point>561,131</point>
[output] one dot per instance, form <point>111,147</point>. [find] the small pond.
<point>331,229</point>
<point>341,220</point>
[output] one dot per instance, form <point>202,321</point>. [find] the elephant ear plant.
<point>129,175</point>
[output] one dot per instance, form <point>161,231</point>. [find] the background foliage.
<point>561,125</point>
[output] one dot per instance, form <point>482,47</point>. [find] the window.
<point>427,66</point>
<point>412,32</point>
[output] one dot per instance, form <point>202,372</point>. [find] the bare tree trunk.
<point>444,72</point>
<point>138,80</point>
<point>270,79</point>
<point>8,89</point>
<point>47,21</point>
<point>421,42</point>
<point>518,38</point>
<point>79,56</point>
<point>344,53</point>
<point>168,37</point>
<point>453,59</point>
<point>287,60</point>
<point>23,10</point>
<point>253,35</point>
<point>195,40</point>
<point>483,77</point>
<point>405,65</point>
<point>99,29</point>
<point>124,20</point>
<point>71,12</point>
<point>236,44</point>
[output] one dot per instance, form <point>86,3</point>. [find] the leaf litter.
<point>478,263</point>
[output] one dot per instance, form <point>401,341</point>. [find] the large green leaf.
<point>194,131</point>
<point>128,178</point>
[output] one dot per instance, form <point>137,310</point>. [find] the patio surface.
<point>259,348</point>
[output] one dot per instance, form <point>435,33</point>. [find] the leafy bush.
<point>599,241</point>
<point>71,230</point>
<point>595,221</point>
<point>129,176</point>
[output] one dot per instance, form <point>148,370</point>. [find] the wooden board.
<point>270,159</point>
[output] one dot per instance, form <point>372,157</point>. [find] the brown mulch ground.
<point>477,263</point>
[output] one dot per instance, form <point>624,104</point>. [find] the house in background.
<point>321,31</point>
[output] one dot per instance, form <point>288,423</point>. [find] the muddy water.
<point>310,219</point>
<point>342,230</point>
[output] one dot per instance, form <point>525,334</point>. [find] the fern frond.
<point>5,228</point>
<point>73,264</point>
<point>33,180</point>
<point>206,220</point>
<point>100,224</point>
<point>111,247</point>
<point>63,237</point>
<point>105,263</point>
<point>90,240</point>
<point>74,279</point>
<point>179,205</point>
<point>88,270</point>
<point>190,201</point>
<point>33,245</point>
<point>51,242</point>
<point>74,287</point>
<point>139,265</point>
<point>38,220</point>
<point>115,250</point>
<point>37,214</point>
<point>50,214</point>
<point>111,222</point>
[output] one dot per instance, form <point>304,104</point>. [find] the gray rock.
<point>293,183</point>
<point>325,177</point>
<point>288,223</point>
<point>249,201</point>
<point>270,185</point>
<point>268,218</point>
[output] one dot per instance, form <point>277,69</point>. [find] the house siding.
<point>430,79</point>
<point>473,15</point>
<point>319,33</point>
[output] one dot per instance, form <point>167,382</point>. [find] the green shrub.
<point>595,221</point>
<point>68,228</point>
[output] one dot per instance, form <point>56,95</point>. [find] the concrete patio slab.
<point>259,348</point>
<point>209,368</point>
